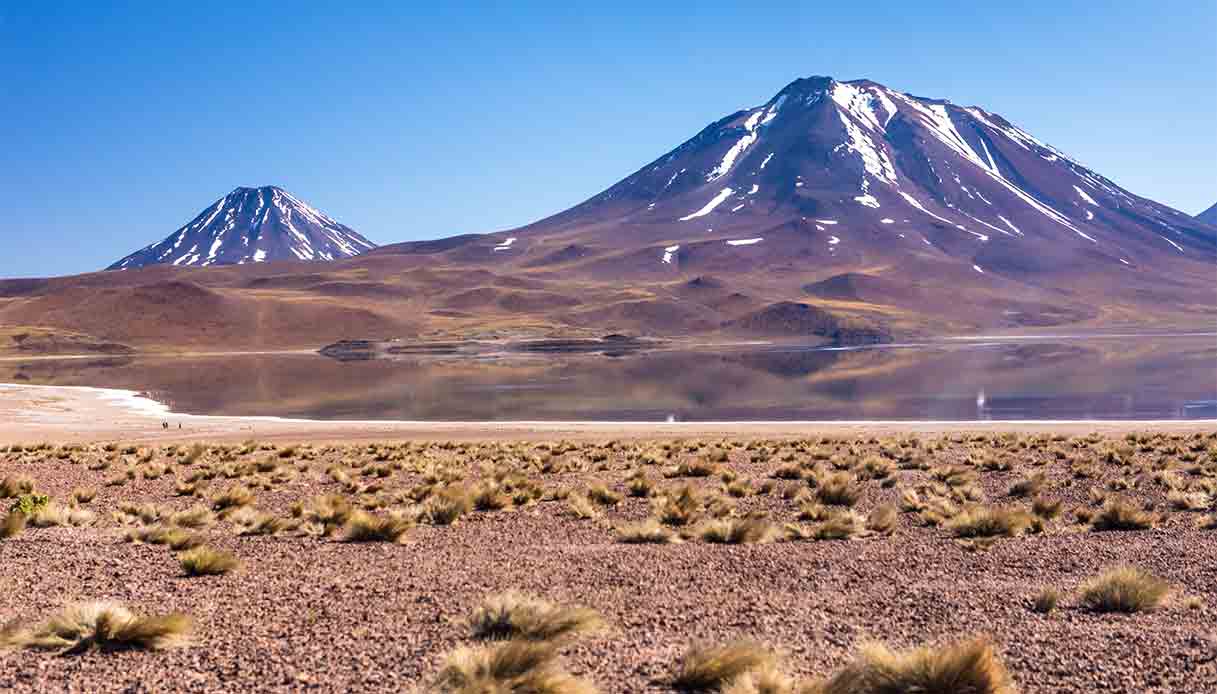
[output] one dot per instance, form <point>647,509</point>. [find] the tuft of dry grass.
<point>53,514</point>
<point>174,538</point>
<point>1046,600</point>
<point>739,531</point>
<point>708,668</point>
<point>446,506</point>
<point>882,519</point>
<point>838,489</point>
<point>581,507</point>
<point>234,497</point>
<point>513,615</point>
<point>13,524</point>
<point>84,495</point>
<point>765,680</point>
<point>839,526</point>
<point>988,521</point>
<point>365,527</point>
<point>524,667</point>
<point>204,561</point>
<point>1125,589</point>
<point>14,486</point>
<point>1121,515</point>
<point>103,625</point>
<point>967,667</point>
<point>649,531</point>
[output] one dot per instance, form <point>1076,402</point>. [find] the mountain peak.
<point>252,225</point>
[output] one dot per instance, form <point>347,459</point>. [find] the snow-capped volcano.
<point>855,172</point>
<point>252,225</point>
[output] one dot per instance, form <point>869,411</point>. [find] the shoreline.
<point>32,413</point>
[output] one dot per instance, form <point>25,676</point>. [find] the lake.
<point>1121,377</point>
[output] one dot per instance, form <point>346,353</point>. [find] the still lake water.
<point>1044,378</point>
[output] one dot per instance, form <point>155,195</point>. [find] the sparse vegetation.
<point>204,561</point>
<point>968,667</point>
<point>513,615</point>
<point>102,625</point>
<point>526,667</point>
<point>1124,589</point>
<point>708,668</point>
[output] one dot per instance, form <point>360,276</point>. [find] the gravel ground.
<point>305,612</point>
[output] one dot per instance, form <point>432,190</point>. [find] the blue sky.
<point>121,121</point>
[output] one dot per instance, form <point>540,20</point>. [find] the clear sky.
<point>121,121</point>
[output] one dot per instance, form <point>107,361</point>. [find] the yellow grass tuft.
<point>204,561</point>
<point>524,667</point>
<point>706,668</point>
<point>13,524</point>
<point>103,625</point>
<point>649,531</point>
<point>989,521</point>
<point>739,531</point>
<point>1124,589</point>
<point>1121,515</point>
<point>365,527</point>
<point>968,667</point>
<point>513,615</point>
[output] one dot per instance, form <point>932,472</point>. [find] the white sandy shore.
<point>72,414</point>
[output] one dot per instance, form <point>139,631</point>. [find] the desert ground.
<point>600,557</point>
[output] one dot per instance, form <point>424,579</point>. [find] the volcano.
<point>252,225</point>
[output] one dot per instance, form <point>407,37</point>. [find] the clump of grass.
<point>1121,515</point>
<point>838,490</point>
<point>175,538</point>
<point>14,486</point>
<point>882,519</point>
<point>193,517</point>
<point>1188,501</point>
<point>739,531</point>
<point>365,527</point>
<point>603,495</point>
<point>681,508</point>
<point>447,506</point>
<point>13,524</point>
<point>524,667</point>
<point>708,668</point>
<point>639,486</point>
<point>581,507</point>
<point>250,521</point>
<point>1046,508</point>
<point>988,521</point>
<point>649,531</point>
<point>490,497</point>
<point>204,561</point>
<point>764,680</point>
<point>839,526</point>
<point>84,495</point>
<point>1046,600</point>
<point>103,625</point>
<point>968,667</point>
<point>1125,589</point>
<point>1030,486</point>
<point>234,497</point>
<point>52,514</point>
<point>513,615</point>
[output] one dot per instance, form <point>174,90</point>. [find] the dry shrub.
<point>1188,501</point>
<point>13,524</point>
<point>739,531</point>
<point>513,615</point>
<point>1046,600</point>
<point>84,495</point>
<point>968,667</point>
<point>446,506</point>
<point>581,507</point>
<point>103,625</point>
<point>706,668</point>
<point>204,561</point>
<point>649,531</point>
<point>1031,486</point>
<point>232,498</point>
<point>1121,515</point>
<point>365,527</point>
<point>603,495</point>
<point>1124,589</point>
<point>250,521</point>
<point>765,680</point>
<point>882,519</point>
<point>679,509</point>
<point>838,489</point>
<point>54,514</point>
<point>511,667</point>
<point>175,538</point>
<point>988,521</point>
<point>490,497</point>
<point>1046,508</point>
<point>326,513</point>
<point>193,517</point>
<point>839,526</point>
<point>14,486</point>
